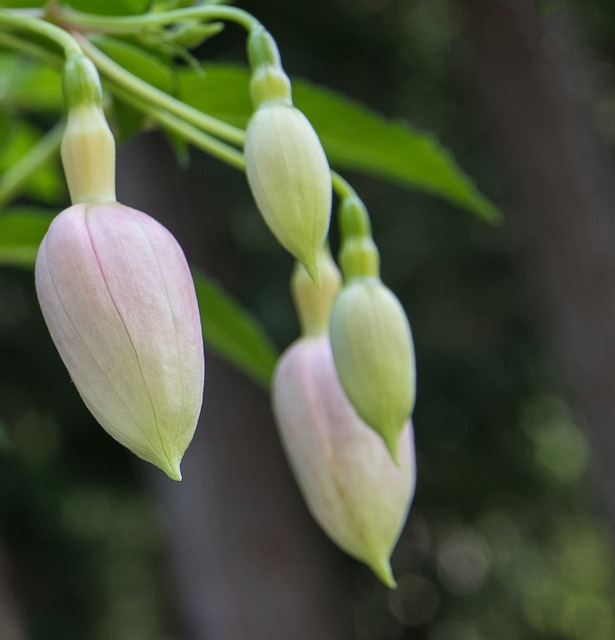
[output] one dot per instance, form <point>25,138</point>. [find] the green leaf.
<point>17,137</point>
<point>353,136</point>
<point>231,331</point>
<point>21,233</point>
<point>26,85</point>
<point>356,138</point>
<point>22,4</point>
<point>220,90</point>
<point>138,61</point>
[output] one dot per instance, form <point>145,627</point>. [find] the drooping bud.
<point>352,487</point>
<point>119,301</point>
<point>88,146</point>
<point>286,166</point>
<point>374,356</point>
<point>370,335</point>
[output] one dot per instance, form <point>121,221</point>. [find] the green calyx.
<point>88,146</point>
<point>358,256</point>
<point>81,83</point>
<point>269,82</point>
<point>314,303</point>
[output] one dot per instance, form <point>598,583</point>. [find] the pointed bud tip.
<point>172,470</point>
<point>391,443</point>
<point>384,573</point>
<point>312,267</point>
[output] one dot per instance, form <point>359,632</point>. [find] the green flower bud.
<point>286,166</point>
<point>290,179</point>
<point>374,356</point>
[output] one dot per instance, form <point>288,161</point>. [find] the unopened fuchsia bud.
<point>352,487</point>
<point>286,166</point>
<point>370,335</point>
<point>118,298</point>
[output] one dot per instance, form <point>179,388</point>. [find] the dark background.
<point>510,534</point>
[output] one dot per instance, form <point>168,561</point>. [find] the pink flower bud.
<point>355,491</point>
<point>119,301</point>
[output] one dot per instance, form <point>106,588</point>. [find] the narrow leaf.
<point>353,136</point>
<point>232,332</point>
<point>21,232</point>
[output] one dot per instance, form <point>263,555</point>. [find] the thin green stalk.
<point>36,51</point>
<point>71,19</point>
<point>13,179</point>
<point>342,187</point>
<point>39,27</point>
<point>152,96</point>
<point>183,129</point>
<point>206,142</point>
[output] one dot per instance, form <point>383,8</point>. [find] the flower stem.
<point>185,130</point>
<point>342,187</point>
<point>358,254</point>
<point>39,27</point>
<point>14,178</point>
<point>144,103</point>
<point>150,95</point>
<point>133,24</point>
<point>36,51</point>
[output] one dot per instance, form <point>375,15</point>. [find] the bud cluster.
<point>291,182</point>
<point>119,301</point>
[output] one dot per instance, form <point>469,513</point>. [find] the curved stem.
<point>35,50</point>
<point>342,187</point>
<point>202,140</point>
<point>12,180</point>
<point>42,28</point>
<point>150,95</point>
<point>71,19</point>
<point>183,129</point>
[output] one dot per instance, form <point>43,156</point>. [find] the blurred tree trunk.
<point>535,94</point>
<point>247,560</point>
<point>10,624</point>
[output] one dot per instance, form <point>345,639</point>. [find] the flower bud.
<point>290,179</point>
<point>349,481</point>
<point>118,298</point>
<point>286,166</point>
<point>374,356</point>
